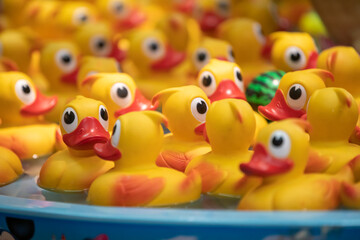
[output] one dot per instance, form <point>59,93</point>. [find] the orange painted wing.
<point>136,190</point>
<point>211,176</point>
<point>14,144</point>
<point>172,159</point>
<point>350,195</point>
<point>355,167</point>
<point>316,163</point>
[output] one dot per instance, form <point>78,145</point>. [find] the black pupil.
<point>114,129</point>
<point>104,114</point>
<point>66,59</point>
<point>201,56</point>
<point>69,117</point>
<point>83,18</point>
<point>119,7</point>
<point>201,107</point>
<point>206,81</point>
<point>295,93</point>
<point>26,89</point>
<point>223,6</point>
<point>238,76</point>
<point>232,53</point>
<point>101,44</point>
<point>295,57</point>
<point>277,141</point>
<point>154,47</point>
<point>122,92</point>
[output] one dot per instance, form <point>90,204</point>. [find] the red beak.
<point>312,61</point>
<point>278,109</point>
<point>41,105</point>
<point>140,103</point>
<point>117,52</point>
<point>227,89</point>
<point>86,135</point>
<point>171,59</point>
<point>107,151</point>
<point>186,6</point>
<point>134,19</point>
<point>210,21</point>
<point>266,49</point>
<point>70,78</point>
<point>263,164</point>
<point>222,58</point>
<point>9,65</point>
<point>201,130</point>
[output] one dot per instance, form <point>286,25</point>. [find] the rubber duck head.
<point>185,108</point>
<point>59,63</point>
<point>247,47</point>
<point>294,92</point>
<point>20,101</point>
<point>209,48</point>
<point>118,91</point>
<point>221,79</point>
<point>122,14</point>
<point>291,51</point>
<point>130,140</point>
<point>280,152</point>
<point>344,63</point>
<point>239,116</point>
<point>332,114</point>
<point>96,39</point>
<point>83,123</point>
<point>150,50</point>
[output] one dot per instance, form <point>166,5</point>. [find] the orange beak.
<point>41,105</point>
<point>171,59</point>
<point>210,21</point>
<point>107,151</point>
<point>134,19</point>
<point>117,52</point>
<point>227,89</point>
<point>71,77</point>
<point>312,61</point>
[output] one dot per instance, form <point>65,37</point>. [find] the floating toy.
<point>230,129</point>
<point>185,108</point>
<point>135,180</point>
<point>84,122</point>
<point>280,156</point>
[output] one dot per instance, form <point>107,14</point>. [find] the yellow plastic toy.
<point>119,93</point>
<point>184,7</point>
<point>293,93</point>
<point>23,129</point>
<point>247,47</point>
<point>350,195</point>
<point>10,166</point>
<point>230,129</point>
<point>135,179</point>
<point>185,108</point>
<point>84,123</point>
<point>291,51</point>
<point>280,157</point>
<point>332,114</point>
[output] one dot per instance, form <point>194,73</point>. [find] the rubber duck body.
<point>185,108</point>
<point>280,157</point>
<point>219,169</point>
<point>135,179</point>
<point>84,122</point>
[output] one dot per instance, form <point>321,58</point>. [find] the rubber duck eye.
<point>117,8</point>
<point>80,16</point>
<point>153,48</point>
<point>199,109</point>
<point>231,56</point>
<point>24,91</point>
<point>279,144</point>
<point>100,46</point>
<point>104,117</point>
<point>201,58</point>
<point>207,83</point>
<point>238,78</point>
<point>115,137</point>
<point>296,97</point>
<point>65,60</point>
<point>69,120</point>
<point>121,95</point>
<point>223,7</point>
<point>259,34</point>
<point>295,58</point>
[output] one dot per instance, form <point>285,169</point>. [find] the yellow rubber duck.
<point>84,123</point>
<point>97,39</point>
<point>185,108</point>
<point>350,195</point>
<point>280,157</point>
<point>293,93</point>
<point>291,51</point>
<point>10,166</point>
<point>184,7</point>
<point>247,47</point>
<point>23,129</point>
<point>332,114</point>
<point>136,180</point>
<point>119,93</point>
<point>230,129</point>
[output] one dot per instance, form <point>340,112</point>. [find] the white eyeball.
<point>121,95</point>
<point>80,16</point>
<point>238,79</point>
<point>201,57</point>
<point>230,55</point>
<point>207,83</point>
<point>153,48</point>
<point>296,96</point>
<point>115,137</point>
<point>118,9</point>
<point>24,91</point>
<point>258,32</point>
<point>199,109</point>
<point>223,7</point>
<point>100,46</point>
<point>279,144</point>
<point>69,120</point>
<point>104,117</point>
<point>65,60</point>
<point>295,58</point>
